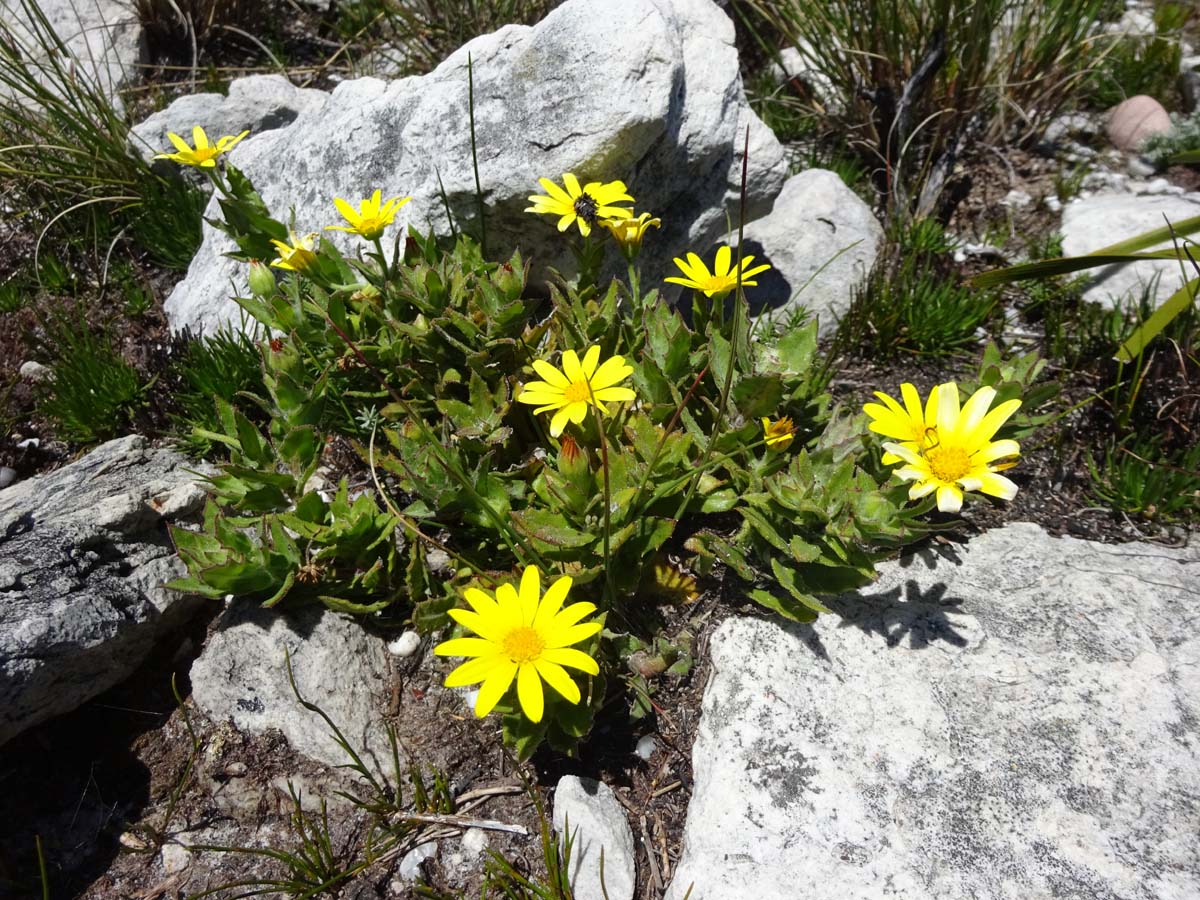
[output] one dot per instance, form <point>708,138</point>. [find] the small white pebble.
<point>34,371</point>
<point>474,842</point>
<point>7,476</point>
<point>175,858</point>
<point>405,645</point>
<point>410,865</point>
<point>30,442</point>
<point>645,747</point>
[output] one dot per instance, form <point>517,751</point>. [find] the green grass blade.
<point>1148,330</point>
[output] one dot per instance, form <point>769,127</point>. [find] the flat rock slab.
<point>1017,717</point>
<point>83,558</point>
<point>1090,223</point>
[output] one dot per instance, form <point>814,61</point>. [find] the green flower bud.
<point>262,279</point>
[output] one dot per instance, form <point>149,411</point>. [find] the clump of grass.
<point>93,393</point>
<point>917,81</point>
<point>1137,476</point>
<point>1140,64</point>
<point>913,302</point>
<point>217,366</point>
<point>65,148</point>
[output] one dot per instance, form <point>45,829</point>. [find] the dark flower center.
<point>585,208</point>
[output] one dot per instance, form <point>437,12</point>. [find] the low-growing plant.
<point>1134,475</point>
<point>912,301</point>
<point>549,447</point>
<point>208,368</point>
<point>92,393</point>
<point>1180,144</point>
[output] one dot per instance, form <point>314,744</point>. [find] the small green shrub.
<point>1184,137</point>
<point>92,394</point>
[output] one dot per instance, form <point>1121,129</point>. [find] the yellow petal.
<point>610,372</point>
<point>531,592</point>
<point>494,686</point>
<point>721,263</point>
<point>572,185</point>
<point>556,594</point>
<point>529,692</point>
<point>559,422</point>
<point>474,671</point>
<point>199,138</point>
<point>557,677</point>
<point>565,637</point>
<point>572,659</point>
<point>549,374</point>
<point>467,646</point>
<point>590,358</point>
<point>949,498</point>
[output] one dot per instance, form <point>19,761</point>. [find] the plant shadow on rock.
<point>921,616</point>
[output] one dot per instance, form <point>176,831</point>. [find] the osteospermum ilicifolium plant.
<point>572,463</point>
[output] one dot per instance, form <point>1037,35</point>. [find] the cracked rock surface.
<point>1015,717</point>
<point>83,557</point>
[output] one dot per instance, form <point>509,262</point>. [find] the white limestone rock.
<point>103,42</point>
<point>83,559</point>
<point>241,675</point>
<point>816,219</point>
<point>1090,223</point>
<point>256,103</point>
<point>589,811</point>
<point>646,91</point>
<point>1017,717</point>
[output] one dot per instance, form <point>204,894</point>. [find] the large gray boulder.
<point>103,42</point>
<point>242,676</point>
<point>83,557</point>
<point>646,91</point>
<point>256,103</point>
<point>1015,718</point>
<point>1090,223</point>
<point>821,240</point>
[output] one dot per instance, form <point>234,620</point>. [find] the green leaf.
<point>797,348</point>
<point>550,528</point>
<point>432,614</point>
<point>758,395</point>
<point>784,606</point>
<point>1181,300</point>
<point>787,576</point>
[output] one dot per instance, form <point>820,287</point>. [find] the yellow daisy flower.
<point>722,279</point>
<point>296,256</point>
<point>629,232</point>
<point>779,434</point>
<point>374,217</point>
<point>909,424</point>
<point>583,206</point>
<point>577,386</point>
<point>204,155</point>
<point>959,453</point>
<point>524,636</point>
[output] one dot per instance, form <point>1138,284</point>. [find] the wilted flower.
<point>577,386</point>
<point>204,155</point>
<point>957,453</point>
<point>296,256</point>
<point>584,206</point>
<point>722,279</point>
<point>524,636</point>
<point>373,216</point>
<point>778,434</point>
